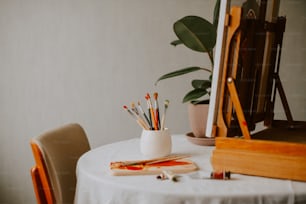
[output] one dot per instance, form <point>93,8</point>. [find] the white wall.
<point>293,68</point>
<point>80,61</point>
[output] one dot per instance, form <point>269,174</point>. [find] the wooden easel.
<point>249,83</point>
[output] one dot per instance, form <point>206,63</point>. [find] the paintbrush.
<point>133,108</point>
<point>149,112</point>
<point>144,115</point>
<point>156,108</point>
<point>166,103</point>
<point>139,118</point>
<point>153,121</point>
<point>149,161</point>
<point>143,125</point>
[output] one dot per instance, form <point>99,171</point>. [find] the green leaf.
<point>216,14</point>
<point>210,77</point>
<point>201,84</point>
<point>194,95</point>
<point>176,42</point>
<point>179,72</point>
<point>196,33</point>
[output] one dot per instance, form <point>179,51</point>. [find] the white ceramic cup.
<point>155,143</point>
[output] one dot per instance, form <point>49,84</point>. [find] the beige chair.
<point>56,153</point>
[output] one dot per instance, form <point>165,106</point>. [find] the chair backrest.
<point>59,151</point>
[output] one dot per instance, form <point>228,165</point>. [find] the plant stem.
<point>211,57</point>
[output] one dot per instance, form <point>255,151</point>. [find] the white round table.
<point>95,184</point>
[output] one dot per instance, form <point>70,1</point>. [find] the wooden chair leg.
<point>38,188</point>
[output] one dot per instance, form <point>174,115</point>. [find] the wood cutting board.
<point>176,166</point>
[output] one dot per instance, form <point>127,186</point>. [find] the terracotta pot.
<point>198,118</point>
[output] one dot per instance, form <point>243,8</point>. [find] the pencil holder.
<point>155,143</point>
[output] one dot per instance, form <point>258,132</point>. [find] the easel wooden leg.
<point>284,100</point>
<point>236,102</point>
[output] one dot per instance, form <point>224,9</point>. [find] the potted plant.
<point>197,34</point>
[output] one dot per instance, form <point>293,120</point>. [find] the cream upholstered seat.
<point>56,153</point>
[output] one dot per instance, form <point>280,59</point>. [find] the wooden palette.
<point>176,166</point>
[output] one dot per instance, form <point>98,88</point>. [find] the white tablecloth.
<point>95,184</point>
